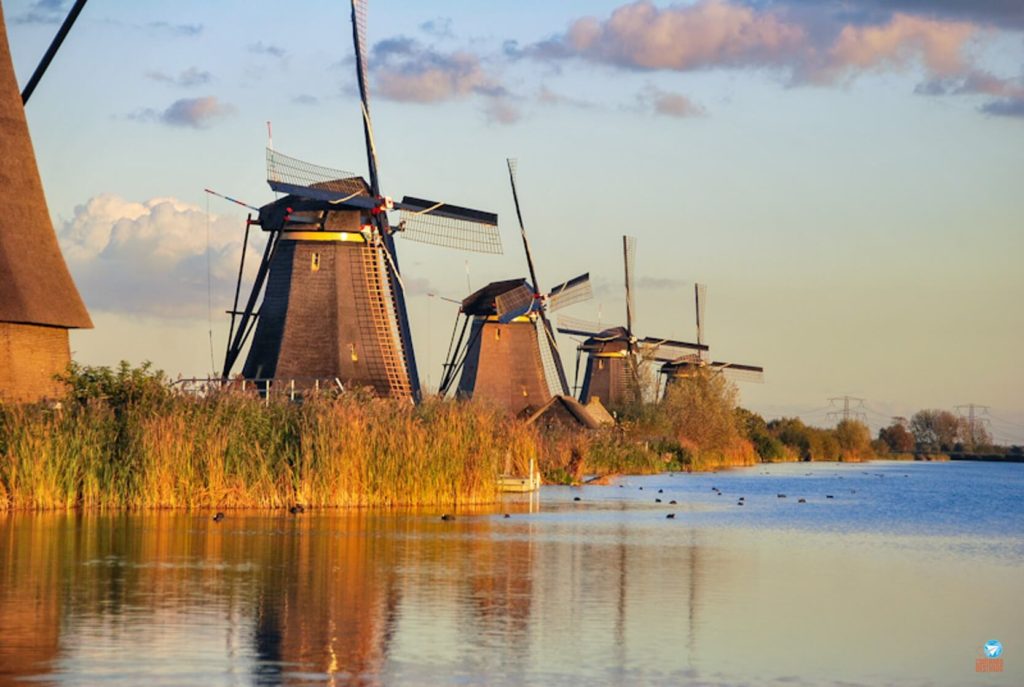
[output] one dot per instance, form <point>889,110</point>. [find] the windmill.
<point>39,303</point>
<point>616,356</point>
<point>688,365</point>
<point>510,357</point>
<point>334,304</point>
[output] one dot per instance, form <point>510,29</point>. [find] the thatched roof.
<point>563,410</point>
<point>599,412</point>
<point>35,286</point>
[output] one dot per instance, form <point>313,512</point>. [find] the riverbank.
<point>230,450</point>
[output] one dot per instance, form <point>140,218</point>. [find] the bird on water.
<point>218,517</point>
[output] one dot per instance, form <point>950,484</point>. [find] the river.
<point>898,579</point>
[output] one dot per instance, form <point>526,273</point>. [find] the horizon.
<point>851,205</point>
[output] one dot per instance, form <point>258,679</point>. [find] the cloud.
<point>184,30</point>
<point>668,104</point>
<point>151,257</point>
<point>1008,94</point>
<point>306,99</point>
<point>546,96</point>
<point>195,113</point>
<point>1009,107</point>
<point>440,28</point>
<point>822,43</point>
<point>710,33</point>
<point>193,76</point>
<point>815,46</point>
<point>43,12</point>
<point>938,44</point>
<point>262,48</point>
<point>408,71</point>
<point>502,111</point>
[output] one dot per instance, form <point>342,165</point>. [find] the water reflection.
<point>605,591</point>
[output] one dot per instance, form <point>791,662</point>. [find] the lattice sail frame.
<point>571,292</point>
<point>580,326</point>
<point>513,300</point>
<point>290,170</point>
<point>448,232</point>
<point>547,354</point>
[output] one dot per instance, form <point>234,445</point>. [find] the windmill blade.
<point>451,226</point>
<point>513,303</point>
<point>667,350</point>
<point>291,175</point>
<point>740,372</point>
<point>700,294</point>
<point>629,259</point>
<point>512,166</point>
<point>551,362</point>
<point>571,292</point>
<point>578,327</point>
<point>359,38</point>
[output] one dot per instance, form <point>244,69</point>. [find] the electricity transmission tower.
<point>849,411</point>
<point>973,421</point>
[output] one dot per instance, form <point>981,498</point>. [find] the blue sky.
<point>844,177</point>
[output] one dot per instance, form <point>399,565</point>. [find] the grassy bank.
<point>166,450</point>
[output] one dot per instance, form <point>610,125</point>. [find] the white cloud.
<point>151,257</point>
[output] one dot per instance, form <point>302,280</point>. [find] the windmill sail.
<point>570,292</point>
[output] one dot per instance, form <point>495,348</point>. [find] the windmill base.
<point>30,356</point>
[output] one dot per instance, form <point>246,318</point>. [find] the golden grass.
<point>231,450</point>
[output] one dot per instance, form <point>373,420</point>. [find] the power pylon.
<point>849,410</point>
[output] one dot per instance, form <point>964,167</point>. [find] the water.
<point>897,580</point>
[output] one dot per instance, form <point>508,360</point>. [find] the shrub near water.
<point>161,449</point>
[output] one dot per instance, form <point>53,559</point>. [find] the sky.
<point>844,176</point>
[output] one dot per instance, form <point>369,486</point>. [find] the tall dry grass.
<point>233,450</point>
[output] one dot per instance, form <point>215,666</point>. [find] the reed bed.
<point>232,450</point>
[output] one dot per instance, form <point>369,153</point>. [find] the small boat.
<point>518,484</point>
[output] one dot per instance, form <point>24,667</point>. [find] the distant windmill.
<point>38,299</point>
<point>510,357</point>
<point>616,355</point>
<point>687,365</point>
<point>334,303</point>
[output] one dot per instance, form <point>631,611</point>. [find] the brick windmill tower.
<point>38,300</point>
<point>328,301</point>
<point>510,357</point>
<point>615,355</point>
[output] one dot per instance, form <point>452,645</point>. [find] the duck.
<point>657,500</point>
<point>576,498</point>
<point>507,515</point>
<point>802,501</point>
<point>218,517</point>
<point>670,516</point>
<point>672,502</point>
<point>780,496</point>
<point>296,509</point>
<point>447,516</point>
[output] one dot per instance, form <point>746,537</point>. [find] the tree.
<point>756,430</point>
<point>700,409</point>
<point>854,439</point>
<point>897,438</point>
<point>935,430</point>
<point>792,432</point>
<point>973,436</point>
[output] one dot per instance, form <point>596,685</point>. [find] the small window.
<point>352,352</point>
<point>497,333</point>
<point>314,262</point>
<point>600,364</point>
